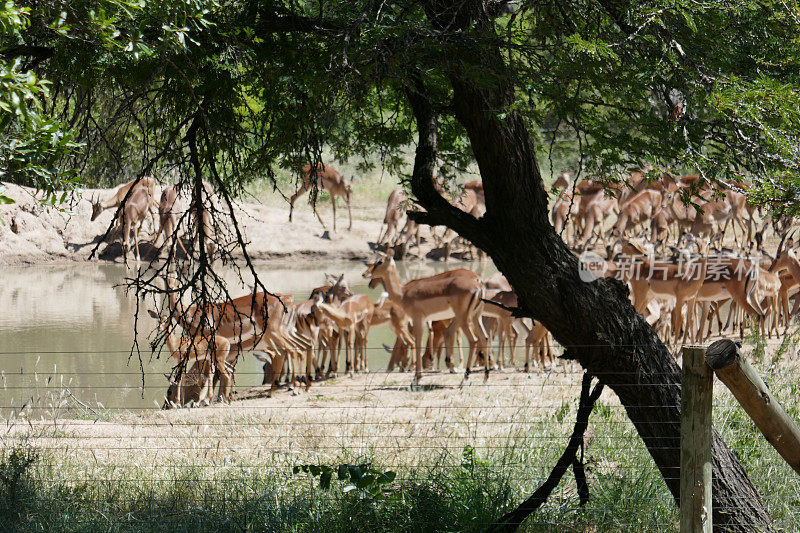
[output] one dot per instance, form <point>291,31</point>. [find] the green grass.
<point>462,490</point>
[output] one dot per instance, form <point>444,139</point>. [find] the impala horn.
<point>780,244</point>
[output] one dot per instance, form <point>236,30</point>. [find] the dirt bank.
<point>30,234</point>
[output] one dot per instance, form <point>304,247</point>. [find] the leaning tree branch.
<point>511,521</point>
<point>438,211</point>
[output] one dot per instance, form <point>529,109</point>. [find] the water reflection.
<point>73,325</point>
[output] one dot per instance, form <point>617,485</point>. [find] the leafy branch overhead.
<point>33,146</point>
<point>607,84</point>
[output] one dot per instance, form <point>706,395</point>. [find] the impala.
<point>209,353</point>
<point>387,312</point>
<point>131,217</point>
<point>395,209</point>
<point>261,316</point>
<point>505,322</point>
<point>455,294</point>
<point>595,214</point>
<point>637,210</point>
<point>565,209</point>
<point>353,319</point>
<point>169,207</point>
<point>118,195</point>
<point>326,178</point>
<point>538,340</point>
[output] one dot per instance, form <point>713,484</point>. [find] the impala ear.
<point>152,313</point>
<point>263,357</point>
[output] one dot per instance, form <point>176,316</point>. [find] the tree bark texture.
<point>595,321</point>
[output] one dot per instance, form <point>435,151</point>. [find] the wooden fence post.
<point>754,396</point>
<point>696,395</point>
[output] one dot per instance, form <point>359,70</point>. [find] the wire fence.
<point>366,450</point>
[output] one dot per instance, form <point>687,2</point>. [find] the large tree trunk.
<point>594,321</point>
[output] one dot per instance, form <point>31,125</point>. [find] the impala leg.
<point>528,346</point>
<point>349,348</point>
<point>356,368</point>
<point>542,355</point>
<point>136,242</point>
<point>514,336</point>
<point>394,355</point>
<point>180,241</point>
<point>291,355</point>
<point>225,379</point>
<point>745,229</point>
<point>725,230</point>
<point>483,340</point>
<point>718,314</point>
<point>126,236</point>
<point>362,352</point>
<point>731,318</point>
<point>490,332</point>
<point>438,347</point>
<point>333,204</point>
<point>450,333</point>
<point>322,350</point>
<point>363,349</point>
<point>418,330</point>
<point>381,234</point>
<point>179,389</point>
<point>303,188</point>
<point>306,365</point>
<point>333,356</point>
<point>446,342</point>
<point>501,345</point>
<point>349,212</point>
<point>275,371</point>
<point>478,337</point>
<point>784,304</point>
<point>677,320</point>
<point>427,355</point>
<point>706,316</point>
<point>689,330</point>
<point>320,218</point>
<point>460,354</point>
<point>405,352</point>
<point>391,232</point>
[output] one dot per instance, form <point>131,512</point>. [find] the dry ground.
<point>368,414</point>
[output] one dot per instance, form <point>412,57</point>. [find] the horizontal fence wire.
<point>492,438</point>
<point>520,348</point>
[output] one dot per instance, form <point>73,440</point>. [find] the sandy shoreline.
<point>32,235</point>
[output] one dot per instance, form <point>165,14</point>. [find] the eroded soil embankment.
<point>30,234</point>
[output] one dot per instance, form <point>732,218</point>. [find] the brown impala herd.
<point>665,236</point>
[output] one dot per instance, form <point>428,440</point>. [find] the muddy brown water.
<point>67,332</point>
